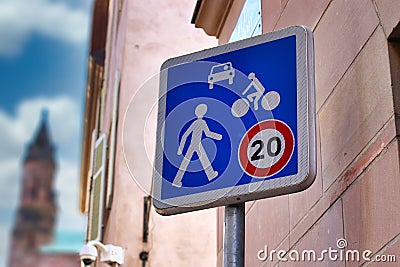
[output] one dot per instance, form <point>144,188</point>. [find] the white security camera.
<point>88,254</point>
<point>108,253</point>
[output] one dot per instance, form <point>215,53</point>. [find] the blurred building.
<point>36,217</point>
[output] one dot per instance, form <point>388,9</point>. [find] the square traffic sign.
<point>236,123</point>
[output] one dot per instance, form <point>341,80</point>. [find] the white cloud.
<point>17,132</point>
<point>20,18</point>
<point>64,125</point>
<point>4,245</point>
<point>67,185</point>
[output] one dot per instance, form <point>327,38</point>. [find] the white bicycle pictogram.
<point>269,101</point>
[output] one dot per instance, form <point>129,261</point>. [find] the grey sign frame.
<point>306,131</point>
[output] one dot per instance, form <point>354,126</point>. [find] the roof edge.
<point>210,15</point>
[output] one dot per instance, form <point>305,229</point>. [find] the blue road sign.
<point>236,123</point>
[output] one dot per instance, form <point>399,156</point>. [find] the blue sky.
<point>43,62</point>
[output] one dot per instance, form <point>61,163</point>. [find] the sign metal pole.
<point>234,235</point>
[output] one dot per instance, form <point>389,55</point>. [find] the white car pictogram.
<point>221,72</point>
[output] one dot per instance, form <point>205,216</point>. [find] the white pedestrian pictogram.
<point>197,128</point>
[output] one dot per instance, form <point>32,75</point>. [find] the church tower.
<point>35,219</point>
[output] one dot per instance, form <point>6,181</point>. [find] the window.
<point>249,22</point>
<point>113,141</point>
<point>95,220</point>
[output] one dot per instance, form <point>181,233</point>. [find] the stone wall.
<point>356,195</point>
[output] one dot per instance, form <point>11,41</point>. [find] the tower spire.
<point>41,147</point>
<point>37,211</point>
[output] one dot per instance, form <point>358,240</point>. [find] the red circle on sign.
<point>255,171</point>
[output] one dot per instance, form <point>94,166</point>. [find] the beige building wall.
<point>356,195</point>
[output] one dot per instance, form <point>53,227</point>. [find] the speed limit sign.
<point>266,148</point>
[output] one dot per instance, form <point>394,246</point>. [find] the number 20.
<point>257,154</point>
